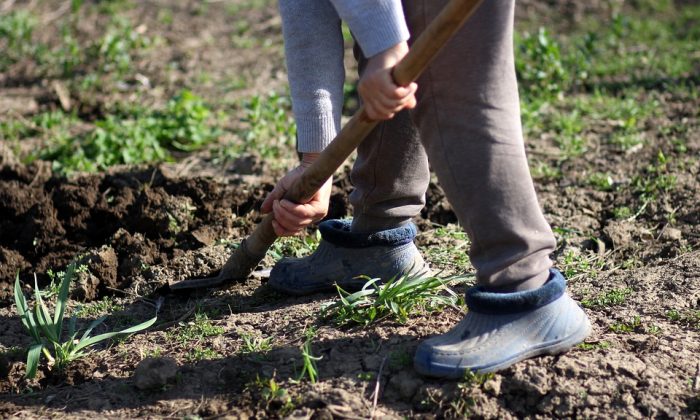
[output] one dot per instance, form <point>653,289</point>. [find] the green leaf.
<point>92,326</point>
<point>94,340</point>
<point>43,316</point>
<point>33,356</point>
<point>63,298</point>
<point>24,312</point>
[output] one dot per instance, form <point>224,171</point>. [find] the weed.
<point>200,353</point>
<point>463,402</point>
<point>309,369</point>
<point>397,297</point>
<point>148,137</point>
<point>656,180</point>
<point>366,376</point>
<point>686,317</point>
<point>622,212</point>
<point>198,329</point>
<point>295,246</point>
<point>601,345</point>
<point>542,171</point>
<point>115,50</point>
<point>46,330</point>
<point>633,325</point>
<point>16,29</point>
<point>273,394</point>
<point>255,344</point>
<point>539,64</point>
<point>270,130</point>
<point>97,308</point>
<point>568,127</point>
<point>575,263</point>
<point>613,297</point>
<point>451,251</point>
<point>601,181</point>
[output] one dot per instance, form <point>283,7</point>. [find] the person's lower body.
<point>467,125</point>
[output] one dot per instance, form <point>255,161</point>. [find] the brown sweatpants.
<point>467,126</point>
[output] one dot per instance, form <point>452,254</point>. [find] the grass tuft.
<point>398,297</point>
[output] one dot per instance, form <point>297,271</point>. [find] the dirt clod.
<point>154,373</point>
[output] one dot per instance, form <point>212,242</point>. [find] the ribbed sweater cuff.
<point>314,133</point>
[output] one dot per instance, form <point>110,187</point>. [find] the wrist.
<point>308,158</point>
<point>390,56</point>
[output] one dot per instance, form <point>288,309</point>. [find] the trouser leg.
<point>468,116</point>
<point>390,175</point>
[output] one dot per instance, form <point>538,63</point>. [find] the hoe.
<point>252,250</point>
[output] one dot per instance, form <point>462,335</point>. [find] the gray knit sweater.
<point>313,44</point>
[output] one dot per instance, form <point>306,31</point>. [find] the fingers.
<point>291,219</point>
<point>383,99</point>
<point>276,194</point>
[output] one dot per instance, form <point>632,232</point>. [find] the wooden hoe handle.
<point>253,249</point>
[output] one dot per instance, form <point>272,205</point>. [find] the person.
<point>462,118</point>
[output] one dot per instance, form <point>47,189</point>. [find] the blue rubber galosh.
<point>343,255</point>
<point>501,329</point>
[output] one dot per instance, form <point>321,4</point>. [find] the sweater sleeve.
<point>314,51</point>
<point>375,24</point>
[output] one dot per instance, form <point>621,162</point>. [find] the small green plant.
<point>633,325</point>
<point>16,29</point>
<point>601,345</point>
<point>138,136</point>
<point>463,402</point>
<point>601,181</point>
<point>100,307</point>
<point>255,344</point>
<point>270,126</point>
<point>273,394</point>
<point>397,297</point>
<point>198,329</point>
<point>295,246</point>
<point>574,263</point>
<point>309,368</point>
<point>613,297</point>
<point>622,212</point>
<point>400,359</point>
<point>47,330</point>
<point>201,353</point>
<point>539,64</point>
<point>686,317</point>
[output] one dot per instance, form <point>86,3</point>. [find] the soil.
<point>135,229</point>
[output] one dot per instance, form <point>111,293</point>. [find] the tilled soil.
<point>138,229</point>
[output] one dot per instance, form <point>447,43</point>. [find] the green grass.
<point>309,368</point>
<point>255,344</point>
<point>601,345</point>
<point>105,306</point>
<point>16,31</point>
<point>575,263</point>
<point>200,328</point>
<point>631,48</point>
<point>608,299</point>
<point>397,298</point>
